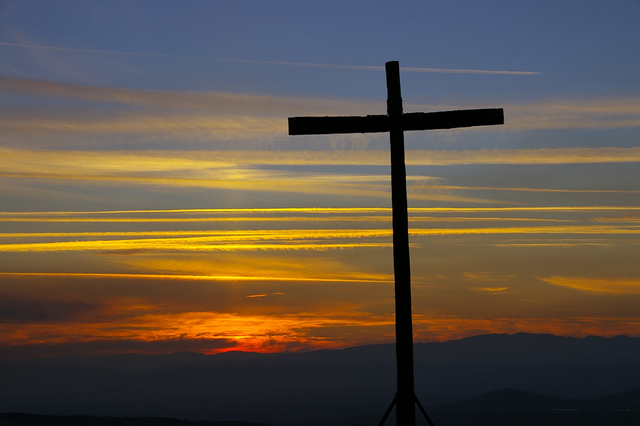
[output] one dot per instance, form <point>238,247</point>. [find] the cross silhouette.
<point>396,123</point>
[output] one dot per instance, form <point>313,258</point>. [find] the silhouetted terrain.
<point>515,407</point>
<point>501,407</point>
<point>7,419</point>
<point>351,386</point>
<point>517,400</point>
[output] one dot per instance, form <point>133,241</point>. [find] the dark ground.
<point>440,419</point>
<point>20,419</point>
<point>463,382</point>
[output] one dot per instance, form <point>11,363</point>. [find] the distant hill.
<point>531,349</point>
<point>517,400</point>
<point>322,385</point>
<point>488,349</point>
<point>21,419</point>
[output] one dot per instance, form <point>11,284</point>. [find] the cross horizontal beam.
<point>382,123</point>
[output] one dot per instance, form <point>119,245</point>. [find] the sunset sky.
<point>151,200</point>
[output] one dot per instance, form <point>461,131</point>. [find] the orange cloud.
<point>255,332</point>
<point>491,290</point>
<point>613,285</point>
<point>220,332</point>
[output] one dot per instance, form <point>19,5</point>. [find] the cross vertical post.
<point>405,405</point>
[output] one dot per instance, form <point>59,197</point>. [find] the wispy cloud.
<point>597,285</point>
<point>559,242</point>
<point>521,189</point>
<point>188,170</point>
<point>212,102</point>
<point>483,276</point>
<point>281,63</point>
<point>211,116</point>
<point>525,156</point>
<point>230,164</point>
<point>594,113</point>
<point>254,267</point>
<point>267,170</point>
<point>191,126</point>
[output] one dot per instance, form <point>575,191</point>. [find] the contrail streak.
<point>297,64</point>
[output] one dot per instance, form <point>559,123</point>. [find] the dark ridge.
<point>315,387</point>
<point>629,401</point>
<point>21,419</point>
<point>488,349</point>
<point>513,400</point>
<point>517,400</point>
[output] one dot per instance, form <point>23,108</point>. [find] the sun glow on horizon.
<point>309,298</point>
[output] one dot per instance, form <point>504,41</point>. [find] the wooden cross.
<point>395,122</point>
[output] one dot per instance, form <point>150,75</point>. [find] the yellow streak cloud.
<point>242,170</point>
<point>187,277</point>
<point>174,245</point>
<point>520,189</point>
<point>294,239</point>
<point>360,219</point>
<point>523,209</point>
<point>310,210</point>
<point>199,163</point>
<point>578,229</point>
<point>210,219</point>
<point>526,156</point>
<point>219,241</point>
<point>326,210</point>
<point>613,285</point>
<point>574,243</point>
<point>242,265</point>
<point>632,218</point>
<point>195,172</point>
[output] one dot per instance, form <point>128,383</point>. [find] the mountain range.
<point>530,373</point>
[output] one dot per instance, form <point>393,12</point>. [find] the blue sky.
<point>135,133</point>
<point>584,48</point>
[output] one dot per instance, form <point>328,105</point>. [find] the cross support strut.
<point>396,123</point>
